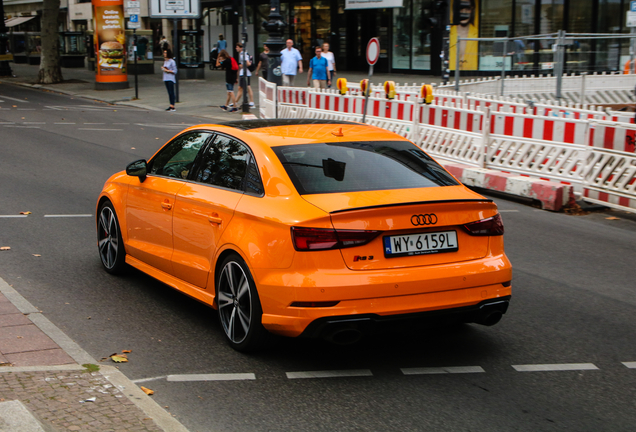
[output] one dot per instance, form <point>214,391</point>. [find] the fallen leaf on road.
<point>156,138</point>
<point>14,106</point>
<point>132,148</point>
<point>147,391</point>
<point>2,248</point>
<point>126,351</point>
<point>25,212</point>
<point>36,255</point>
<point>612,218</point>
<point>119,358</point>
<point>19,337</point>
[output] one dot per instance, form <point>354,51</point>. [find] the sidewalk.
<point>48,383</point>
<point>200,98</point>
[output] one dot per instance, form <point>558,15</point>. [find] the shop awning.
<point>12,22</point>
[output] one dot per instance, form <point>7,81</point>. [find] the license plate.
<point>420,244</point>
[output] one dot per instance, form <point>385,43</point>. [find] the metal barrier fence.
<point>552,55</point>
<point>595,155</point>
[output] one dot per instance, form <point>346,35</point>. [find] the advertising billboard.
<point>110,42</point>
<point>464,21</point>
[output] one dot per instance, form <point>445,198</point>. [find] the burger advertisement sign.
<point>110,41</point>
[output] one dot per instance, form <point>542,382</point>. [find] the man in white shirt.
<point>331,62</point>
<point>291,63</point>
<point>242,58</point>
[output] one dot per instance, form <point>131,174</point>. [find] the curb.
<point>552,195</point>
<point>152,409</point>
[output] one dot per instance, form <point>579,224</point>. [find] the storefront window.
<point>421,36</point>
<point>496,18</point>
<point>322,11</point>
<point>551,16</point>
<point>301,30</point>
<point>524,17</point>
<point>401,36</point>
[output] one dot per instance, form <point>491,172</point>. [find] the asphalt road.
<point>559,360</point>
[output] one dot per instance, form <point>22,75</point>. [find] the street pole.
<point>5,68</point>
<point>246,102</point>
<point>366,95</point>
<point>446,44</point>
<point>135,53</point>
<point>175,55</point>
<point>275,27</point>
<point>503,66</point>
<point>559,62</point>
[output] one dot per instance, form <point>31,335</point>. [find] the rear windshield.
<point>360,166</point>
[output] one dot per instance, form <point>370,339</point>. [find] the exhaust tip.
<point>490,318</point>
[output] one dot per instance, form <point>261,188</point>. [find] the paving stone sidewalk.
<point>59,393</point>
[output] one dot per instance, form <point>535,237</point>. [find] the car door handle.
<point>215,219</point>
<point>166,205</point>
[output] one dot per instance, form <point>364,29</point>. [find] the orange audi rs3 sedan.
<point>307,228</point>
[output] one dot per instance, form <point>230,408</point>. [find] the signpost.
<point>175,9</point>
<point>133,9</point>
<point>373,54</point>
<point>631,23</point>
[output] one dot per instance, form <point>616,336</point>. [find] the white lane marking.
<point>22,127</point>
<point>442,370</point>
<point>554,367</point>
<point>121,123</point>
<point>212,377</point>
<point>68,215</point>
<point>7,123</point>
<point>95,129</point>
<point>330,374</point>
<point>15,99</point>
<point>508,211</point>
<point>64,123</point>
<point>12,216</point>
<point>94,123</point>
<point>143,380</point>
<point>33,123</point>
<point>631,365</point>
<point>26,109</point>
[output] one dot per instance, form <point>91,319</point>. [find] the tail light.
<point>493,226</point>
<point>309,239</point>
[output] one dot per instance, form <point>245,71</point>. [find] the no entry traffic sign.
<point>373,51</point>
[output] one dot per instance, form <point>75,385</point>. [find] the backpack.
<point>252,66</point>
<point>234,64</point>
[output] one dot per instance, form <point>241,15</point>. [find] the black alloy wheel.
<point>239,306</point>
<point>109,240</point>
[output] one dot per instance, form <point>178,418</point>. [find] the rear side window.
<point>360,166</point>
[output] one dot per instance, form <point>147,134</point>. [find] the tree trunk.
<point>50,71</point>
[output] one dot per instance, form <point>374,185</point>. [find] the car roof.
<point>279,132</point>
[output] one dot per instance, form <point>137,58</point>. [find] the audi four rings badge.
<point>424,219</point>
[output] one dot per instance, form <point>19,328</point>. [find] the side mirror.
<point>138,168</point>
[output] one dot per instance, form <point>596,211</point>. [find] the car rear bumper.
<point>381,293</point>
<point>344,329</point>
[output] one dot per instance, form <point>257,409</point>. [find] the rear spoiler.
<point>411,203</point>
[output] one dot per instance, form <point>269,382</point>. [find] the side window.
<point>176,158</point>
<point>223,163</point>
<point>253,183</point>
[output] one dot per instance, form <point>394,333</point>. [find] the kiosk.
<point>190,54</point>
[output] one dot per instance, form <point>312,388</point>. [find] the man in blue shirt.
<point>319,70</point>
<point>291,63</point>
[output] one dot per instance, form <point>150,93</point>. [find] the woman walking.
<point>169,69</point>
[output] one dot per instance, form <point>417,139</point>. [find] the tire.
<point>109,241</point>
<point>240,311</point>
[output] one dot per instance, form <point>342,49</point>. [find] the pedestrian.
<point>224,61</point>
<point>169,69</point>
<point>331,60</point>
<point>263,61</point>
<point>221,44</point>
<point>244,57</point>
<point>291,63</point>
<point>319,70</point>
<point>163,44</point>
